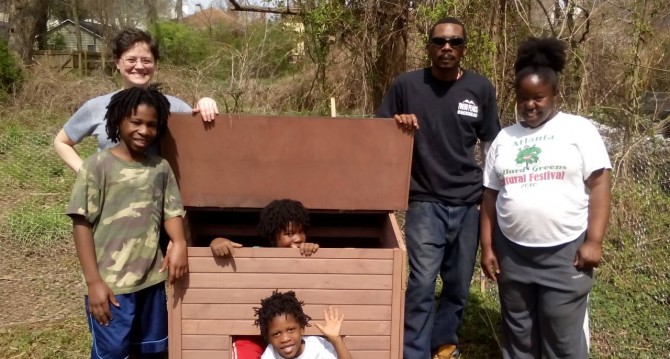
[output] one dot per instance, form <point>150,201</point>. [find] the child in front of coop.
<point>120,200</point>
<point>282,323</point>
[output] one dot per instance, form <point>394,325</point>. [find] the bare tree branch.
<point>288,10</point>
<point>587,23</point>
<point>546,14</point>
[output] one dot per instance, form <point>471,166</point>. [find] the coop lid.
<point>327,163</point>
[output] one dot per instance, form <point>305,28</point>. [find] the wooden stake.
<point>333,111</point>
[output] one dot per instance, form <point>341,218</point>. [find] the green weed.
<point>67,339</point>
<point>36,224</point>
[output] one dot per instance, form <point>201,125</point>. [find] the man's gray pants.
<point>543,300</point>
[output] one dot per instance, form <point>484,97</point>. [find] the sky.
<point>191,5</point>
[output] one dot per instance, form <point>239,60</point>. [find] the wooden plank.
<point>370,354</point>
<point>246,311</point>
<point>220,342</point>
<point>212,229</point>
<point>227,163</point>
<point>401,245</point>
<point>396,324</point>
<point>391,234</point>
<point>175,320</point>
<point>402,319</point>
<point>205,342</point>
<point>287,282</point>
<point>323,253</point>
<point>312,296</point>
<point>289,265</point>
<point>367,342</point>
<point>221,354</point>
<point>205,354</point>
<point>246,327</point>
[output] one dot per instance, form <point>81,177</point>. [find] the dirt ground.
<point>39,286</point>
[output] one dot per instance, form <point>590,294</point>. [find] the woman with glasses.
<point>135,54</point>
<point>544,213</point>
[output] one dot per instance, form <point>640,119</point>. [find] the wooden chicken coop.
<point>350,173</point>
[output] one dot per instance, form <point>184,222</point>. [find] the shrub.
<point>10,72</point>
<point>57,42</point>
<point>180,45</point>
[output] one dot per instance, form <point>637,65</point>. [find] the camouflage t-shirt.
<point>126,202</point>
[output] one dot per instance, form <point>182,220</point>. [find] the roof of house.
<point>90,27</point>
<point>208,17</point>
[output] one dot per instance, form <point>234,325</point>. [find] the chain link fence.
<point>35,187</point>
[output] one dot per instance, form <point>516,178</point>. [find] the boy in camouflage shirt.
<point>121,198</point>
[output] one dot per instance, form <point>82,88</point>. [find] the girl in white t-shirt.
<point>282,323</point>
<point>544,213</point>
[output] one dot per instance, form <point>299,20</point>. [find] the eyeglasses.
<point>132,61</point>
<point>453,41</point>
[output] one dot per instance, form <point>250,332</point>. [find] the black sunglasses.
<point>453,42</point>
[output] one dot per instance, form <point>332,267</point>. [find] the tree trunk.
<point>391,55</point>
<point>75,17</point>
<point>27,19</point>
<point>152,11</point>
<point>498,25</point>
<point>179,10</point>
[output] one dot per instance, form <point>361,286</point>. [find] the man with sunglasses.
<point>448,109</point>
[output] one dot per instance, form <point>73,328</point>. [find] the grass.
<point>35,224</point>
<point>629,305</point>
<point>480,332</point>
<point>35,184</point>
<point>67,339</point>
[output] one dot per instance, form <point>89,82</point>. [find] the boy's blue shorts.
<point>139,325</point>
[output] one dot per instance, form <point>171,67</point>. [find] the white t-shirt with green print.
<point>540,174</point>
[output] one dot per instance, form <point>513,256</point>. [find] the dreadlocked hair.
<point>544,57</point>
<point>125,102</point>
<point>277,216</point>
<point>279,304</point>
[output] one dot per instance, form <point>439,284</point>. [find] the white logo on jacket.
<point>468,108</point>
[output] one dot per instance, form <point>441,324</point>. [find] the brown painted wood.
<point>369,354</point>
<point>367,342</point>
<point>391,234</point>
<point>290,265</point>
<point>206,354</point>
<point>287,282</point>
<point>344,253</point>
<point>223,354</point>
<point>334,232</point>
<point>205,342</point>
<point>242,161</point>
<point>175,294</point>
<point>353,312</point>
<point>246,327</point>
<point>398,293</point>
<point>311,296</point>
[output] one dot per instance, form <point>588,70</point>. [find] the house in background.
<point>212,18</point>
<point>63,36</point>
<point>61,47</point>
